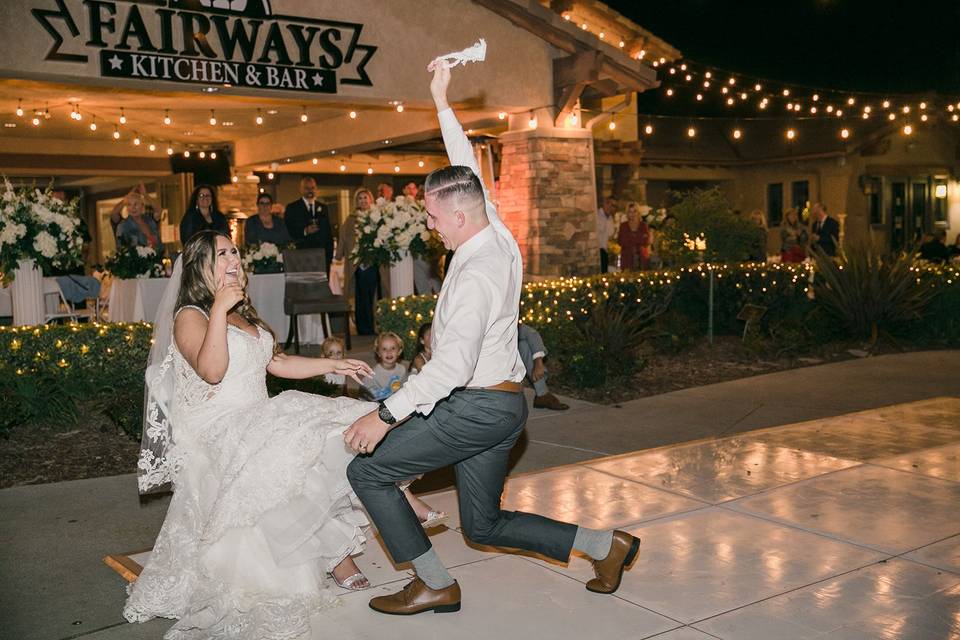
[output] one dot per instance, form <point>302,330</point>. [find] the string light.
<point>303,114</point>
<point>648,129</point>
<point>166,117</point>
<point>502,115</point>
<point>923,105</point>
<point>353,115</point>
<point>116,133</point>
<point>136,139</point>
<point>35,121</point>
<point>202,155</point>
<point>213,155</point>
<point>315,161</point>
<point>669,92</point>
<point>259,118</point>
<point>786,93</point>
<point>93,124</point>
<point>343,167</point>
<point>907,130</point>
<point>691,132</point>
<point>791,134</point>
<point>612,125</point>
<point>152,147</point>
<point>532,122</point>
<point>186,153</point>
<point>123,117</point>
<point>851,101</point>
<point>923,117</point>
<point>270,175</point>
<point>906,109</point>
<point>886,104</point>
<point>369,169</point>
<point>213,118</point>
<point>19,108</point>
<point>737,134</point>
<point>169,150</point>
<point>400,108</point>
<point>844,133</point>
<point>892,116</point>
<point>396,168</point>
<point>420,163</point>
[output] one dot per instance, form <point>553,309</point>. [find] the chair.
<point>307,292</point>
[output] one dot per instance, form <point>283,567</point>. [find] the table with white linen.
<point>138,299</point>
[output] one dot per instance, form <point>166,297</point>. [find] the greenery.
<point>135,262</point>
<point>262,257</point>
<point>705,213</point>
<point>58,374</point>
<point>388,229</point>
<point>36,226</point>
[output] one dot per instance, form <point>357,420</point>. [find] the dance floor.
<point>840,528</point>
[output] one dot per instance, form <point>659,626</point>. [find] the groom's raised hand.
<point>365,434</point>
<point>440,82</point>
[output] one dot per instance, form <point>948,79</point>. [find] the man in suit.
<point>308,221</point>
<point>825,232</point>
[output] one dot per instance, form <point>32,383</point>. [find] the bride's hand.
<point>353,368</point>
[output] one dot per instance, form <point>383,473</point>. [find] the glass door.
<point>910,211</point>
<point>898,214</point>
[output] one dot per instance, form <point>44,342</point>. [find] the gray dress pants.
<point>529,342</point>
<point>474,430</point>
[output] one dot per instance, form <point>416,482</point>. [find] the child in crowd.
<point>423,351</point>
<point>333,348</point>
<point>389,375</point>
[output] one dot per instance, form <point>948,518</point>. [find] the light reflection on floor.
<point>837,528</point>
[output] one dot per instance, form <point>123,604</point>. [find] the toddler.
<point>423,353</point>
<point>332,348</point>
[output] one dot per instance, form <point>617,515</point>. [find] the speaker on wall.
<point>206,170</point>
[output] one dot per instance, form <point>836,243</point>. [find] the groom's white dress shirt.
<point>474,333</point>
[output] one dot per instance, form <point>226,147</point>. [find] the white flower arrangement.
<point>36,226</point>
<point>389,229</point>
<point>264,257</point>
<point>139,262</point>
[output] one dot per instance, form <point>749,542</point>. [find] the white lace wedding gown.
<point>261,509</point>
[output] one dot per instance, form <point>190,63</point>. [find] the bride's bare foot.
<point>348,576</point>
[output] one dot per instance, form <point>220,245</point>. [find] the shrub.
<point>705,212</point>
<point>869,291</point>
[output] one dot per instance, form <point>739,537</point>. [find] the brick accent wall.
<point>548,201</point>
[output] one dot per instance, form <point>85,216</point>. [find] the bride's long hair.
<point>198,285</point>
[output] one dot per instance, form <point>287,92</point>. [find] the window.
<point>799,194</point>
<point>939,200</point>
<point>774,204</point>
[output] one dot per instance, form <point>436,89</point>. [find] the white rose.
<point>368,228</point>
<point>45,244</point>
<point>145,252</point>
<point>375,215</point>
<point>377,242</point>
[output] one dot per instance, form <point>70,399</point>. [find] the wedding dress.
<point>261,508</point>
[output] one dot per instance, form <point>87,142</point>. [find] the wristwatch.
<point>385,414</point>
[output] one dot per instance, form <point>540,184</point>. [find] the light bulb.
<point>851,101</point>
<point>612,125</point>
<point>865,115</point>
<point>743,96</point>
<point>786,93</point>
<point>169,151</point>
<point>706,84</point>
<point>789,106</point>
<point>213,155</point>
<point>166,117</point>
<point>757,87</point>
<point>399,108</point>
<point>622,43</point>
<point>816,97</point>
<point>502,115</point>
<point>708,75</point>
<point>813,110</point>
<point>923,117</point>
<point>353,115</point>
<point>730,102</point>
<point>867,109</point>
<point>732,81</point>
<point>572,120</point>
<point>532,122</point>
<point>648,129</point>
<point>669,92</point>
<point>829,108</point>
<point>906,109</point>
<point>36,121</point>
<point>791,134</point>
<point>601,35</point>
<point>136,140</point>
<point>259,119</point>
<point>123,118</point>
<point>186,153</point>
<point>343,167</point>
<point>724,91</point>
<point>315,161</point>
<point>683,67</point>
<point>699,97</point>
<point>270,176</point>
<point>152,147</point>
<point>844,133</point>
<point>886,104</point>
<point>420,163</point>
<point>234,179</point>
<point>892,116</point>
<point>116,133</point>
<point>396,168</point>
<point>369,170</point>
<point>213,118</point>
<point>19,108</point>
<point>923,105</point>
<point>907,130</point>
<point>202,155</point>
<point>691,132</point>
<point>839,113</point>
<point>737,134</point>
<point>93,125</point>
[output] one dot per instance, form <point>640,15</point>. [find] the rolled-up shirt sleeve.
<point>455,351</point>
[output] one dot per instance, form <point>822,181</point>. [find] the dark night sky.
<point>882,46</point>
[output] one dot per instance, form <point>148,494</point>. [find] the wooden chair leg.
<point>296,335</point>
<point>290,332</point>
<point>346,329</point>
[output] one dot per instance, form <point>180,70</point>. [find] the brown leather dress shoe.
<point>417,597</point>
<point>549,401</point>
<point>610,570</point>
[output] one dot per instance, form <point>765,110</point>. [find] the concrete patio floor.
<point>843,525</point>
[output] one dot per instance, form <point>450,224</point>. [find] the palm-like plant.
<point>870,291</point>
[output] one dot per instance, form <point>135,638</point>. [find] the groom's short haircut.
<point>457,180</point>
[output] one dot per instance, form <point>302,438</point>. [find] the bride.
<point>262,511</point>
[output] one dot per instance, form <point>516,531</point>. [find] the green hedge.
<point>60,373</point>
<point>783,289</point>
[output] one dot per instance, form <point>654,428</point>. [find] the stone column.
<point>548,198</point>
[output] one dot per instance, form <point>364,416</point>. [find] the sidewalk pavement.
<point>841,527</point>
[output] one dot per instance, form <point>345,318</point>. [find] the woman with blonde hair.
<point>364,278</point>
<point>634,240</point>
<point>793,237</point>
<point>262,512</point>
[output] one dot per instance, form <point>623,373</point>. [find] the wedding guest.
<point>793,238</point>
<point>308,221</point>
<point>532,352</point>
<point>138,229</point>
<point>425,282</point>
<point>266,227</point>
<point>758,247</point>
<point>150,207</point>
<point>634,240</point>
<point>605,226</point>
<point>385,191</point>
<point>365,279</point>
<point>935,249</point>
<point>332,349</point>
<point>825,230</point>
<point>424,351</point>
<point>389,373</point>
<point>203,213</point>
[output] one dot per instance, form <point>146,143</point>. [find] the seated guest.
<point>266,227</point>
<point>138,230</point>
<point>202,213</point>
<point>532,352</point>
<point>389,373</point>
<point>935,249</point>
<point>332,348</point>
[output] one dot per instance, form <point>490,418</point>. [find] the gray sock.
<point>431,570</point>
<point>593,542</point>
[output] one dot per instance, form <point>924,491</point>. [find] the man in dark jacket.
<point>825,232</point>
<point>308,221</point>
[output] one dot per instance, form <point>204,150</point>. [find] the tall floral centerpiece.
<point>38,234</point>
<point>390,233</point>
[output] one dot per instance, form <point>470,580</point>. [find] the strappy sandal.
<point>435,519</point>
<point>349,582</point>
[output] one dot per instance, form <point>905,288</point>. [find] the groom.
<point>466,404</point>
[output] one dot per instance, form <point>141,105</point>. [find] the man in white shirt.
<point>605,230</point>
<point>469,401</point>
